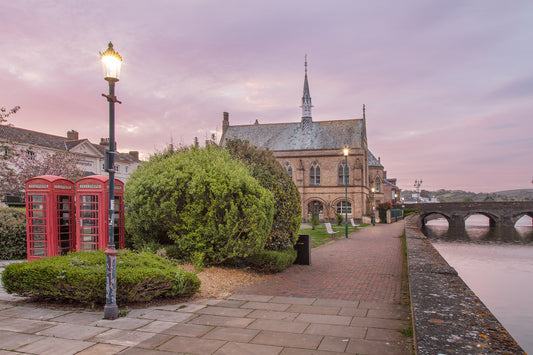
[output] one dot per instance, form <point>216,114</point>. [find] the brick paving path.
<point>367,266</point>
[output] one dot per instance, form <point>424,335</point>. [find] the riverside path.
<point>348,301</point>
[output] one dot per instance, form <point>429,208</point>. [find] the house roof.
<point>300,136</point>
<point>44,140</point>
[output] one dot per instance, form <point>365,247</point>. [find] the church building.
<point>312,152</point>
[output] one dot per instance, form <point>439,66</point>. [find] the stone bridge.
<point>500,214</point>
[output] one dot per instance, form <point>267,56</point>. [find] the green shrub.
<point>273,177</point>
<point>271,261</point>
<point>340,218</point>
<point>12,233</point>
<point>80,277</point>
<point>314,221</point>
<point>202,201</point>
<point>267,261</point>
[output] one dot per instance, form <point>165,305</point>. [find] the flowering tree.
<point>22,165</point>
<point>18,164</point>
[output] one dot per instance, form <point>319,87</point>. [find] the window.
<point>288,167</point>
<point>315,208</point>
<point>378,185</point>
<point>30,154</point>
<point>117,168</point>
<point>342,209</point>
<point>344,172</point>
<point>314,174</point>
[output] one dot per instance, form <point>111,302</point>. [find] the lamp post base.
<point>111,308</point>
<point>111,311</point>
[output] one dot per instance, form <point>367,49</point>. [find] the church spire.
<point>306,98</point>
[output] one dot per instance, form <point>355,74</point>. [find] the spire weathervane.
<point>306,99</point>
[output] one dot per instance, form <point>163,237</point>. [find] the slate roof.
<point>50,141</point>
<point>300,136</point>
<point>372,161</point>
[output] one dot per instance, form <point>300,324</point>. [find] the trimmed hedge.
<point>12,233</point>
<point>80,277</point>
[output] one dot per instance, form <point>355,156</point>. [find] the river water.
<point>497,265</point>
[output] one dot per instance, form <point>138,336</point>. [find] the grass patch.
<point>320,236</point>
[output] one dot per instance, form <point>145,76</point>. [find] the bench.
<point>330,230</point>
<point>353,223</point>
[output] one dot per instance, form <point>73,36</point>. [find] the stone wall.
<point>448,317</point>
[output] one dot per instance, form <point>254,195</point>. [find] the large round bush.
<point>203,201</point>
<point>272,176</point>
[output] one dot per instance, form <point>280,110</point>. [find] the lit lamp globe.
<point>111,62</point>
<point>345,151</point>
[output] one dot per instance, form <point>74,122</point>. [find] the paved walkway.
<point>353,308</point>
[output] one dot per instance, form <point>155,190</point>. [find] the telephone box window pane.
<point>89,247</point>
<point>89,198</point>
<point>38,245</point>
<point>38,222</point>
<point>37,198</point>
<point>37,229</point>
<point>38,237</point>
<point>38,253</point>
<point>39,214</point>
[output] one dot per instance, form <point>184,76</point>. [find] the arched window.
<point>288,167</point>
<point>377,184</point>
<point>314,174</point>
<point>315,208</point>
<point>342,207</point>
<point>344,173</point>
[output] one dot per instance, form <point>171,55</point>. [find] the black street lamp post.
<point>111,61</point>
<point>373,208</point>
<point>346,151</point>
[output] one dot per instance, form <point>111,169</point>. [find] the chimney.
<point>134,154</point>
<point>72,135</point>
<point>225,122</point>
<point>105,142</point>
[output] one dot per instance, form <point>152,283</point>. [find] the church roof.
<point>300,136</point>
<point>372,161</point>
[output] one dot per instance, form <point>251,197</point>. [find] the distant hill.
<point>459,195</point>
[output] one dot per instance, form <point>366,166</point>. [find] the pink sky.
<point>448,85</point>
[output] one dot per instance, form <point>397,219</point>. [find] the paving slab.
<point>72,331</point>
<point>122,337</point>
<point>32,313</point>
<point>192,345</point>
<point>232,334</point>
<point>236,322</point>
<point>51,346</point>
<point>102,349</point>
<point>274,315</point>
<point>224,311</point>
<point>336,330</point>
<point>303,341</point>
<point>24,325</point>
<point>123,323</point>
<point>169,316</point>
<point>266,306</point>
<point>244,348</point>
<point>13,340</point>
<point>299,308</point>
<point>81,318</point>
<point>323,319</point>
<point>334,344</point>
<point>277,325</point>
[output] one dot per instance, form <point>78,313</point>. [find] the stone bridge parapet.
<point>500,214</point>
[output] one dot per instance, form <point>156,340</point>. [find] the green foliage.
<point>268,261</point>
<point>384,206</point>
<point>340,218</point>
<point>272,176</point>
<point>202,201</point>
<point>468,199</point>
<point>314,221</point>
<point>80,277</point>
<point>12,233</point>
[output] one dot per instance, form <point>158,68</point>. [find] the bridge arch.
<point>424,216</point>
<point>493,219</point>
<point>518,216</point>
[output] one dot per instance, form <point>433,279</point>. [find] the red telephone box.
<point>92,213</point>
<point>49,216</point>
